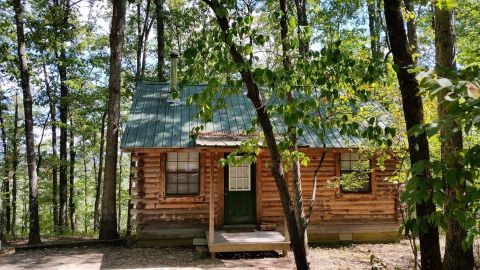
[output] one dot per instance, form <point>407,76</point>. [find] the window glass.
<point>239,177</point>
<point>355,173</point>
<point>182,176</point>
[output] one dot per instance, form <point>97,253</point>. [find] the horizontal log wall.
<point>153,207</point>
<point>332,206</point>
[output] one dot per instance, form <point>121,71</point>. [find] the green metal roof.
<point>154,122</point>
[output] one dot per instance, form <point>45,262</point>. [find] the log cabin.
<point>182,193</point>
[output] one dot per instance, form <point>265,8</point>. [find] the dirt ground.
<point>357,256</point>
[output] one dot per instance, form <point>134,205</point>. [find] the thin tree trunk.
<point>411,29</point>
<point>108,222</point>
<point>253,94</point>
<point>39,145</point>
<point>64,94</point>
<point>373,26</point>
<point>98,188</point>
<point>292,130</point>
<point>15,155</point>
<point>53,123</point>
<point>34,228</point>
<point>71,202</point>
<point>85,185</point>
<point>413,111</point>
<point>455,256</point>
<point>3,239</point>
<point>145,42</point>
<point>6,174</point>
<point>160,40</point>
<point>302,23</point>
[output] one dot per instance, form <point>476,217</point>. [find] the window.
<point>355,174</point>
<point>183,174</point>
<point>239,177</point>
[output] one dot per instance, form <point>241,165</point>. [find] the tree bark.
<point>71,202</point>
<point>292,130</point>
<point>34,226</point>
<point>53,123</point>
<point>253,94</point>
<point>373,26</point>
<point>108,222</point>
<point>413,112</point>
<point>15,155</point>
<point>160,40</point>
<point>302,22</point>
<point>6,174</point>
<point>3,239</point>
<point>411,29</point>
<point>452,144</point>
<point>85,185</point>
<point>98,187</point>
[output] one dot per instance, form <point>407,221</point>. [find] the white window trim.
<point>230,178</point>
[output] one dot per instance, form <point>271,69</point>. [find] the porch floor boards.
<point>247,241</point>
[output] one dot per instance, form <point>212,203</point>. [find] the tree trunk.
<point>455,257</point>
<point>3,238</point>
<point>62,70</point>
<point>98,187</point>
<point>108,222</point>
<point>85,186</point>
<point>292,130</point>
<point>411,29</point>
<point>373,26</point>
<point>71,202</point>
<point>34,232</point>
<point>413,111</point>
<point>15,155</point>
<point>253,94</point>
<point>53,123</point>
<point>160,40</point>
<point>6,173</point>
<point>302,22</point>
<point>64,93</point>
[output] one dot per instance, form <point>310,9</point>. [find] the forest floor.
<point>356,256</point>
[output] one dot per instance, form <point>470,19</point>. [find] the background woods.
<point>68,71</point>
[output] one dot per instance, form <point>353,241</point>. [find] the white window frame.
<point>249,177</point>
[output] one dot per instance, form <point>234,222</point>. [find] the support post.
<point>286,233</point>
<point>211,222</point>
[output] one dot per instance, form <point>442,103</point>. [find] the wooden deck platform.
<point>247,241</point>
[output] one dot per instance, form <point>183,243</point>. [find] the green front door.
<point>240,207</point>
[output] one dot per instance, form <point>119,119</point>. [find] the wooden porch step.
<point>247,241</point>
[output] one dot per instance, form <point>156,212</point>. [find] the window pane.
<point>345,165</point>
<point>193,178</point>
<point>172,166</point>
<point>182,156</point>
<point>171,188</point>
<point>182,178</point>
<point>182,188</point>
<point>171,178</point>
<point>182,166</point>
<point>193,156</point>
<point>193,188</point>
<point>172,157</point>
<point>354,156</point>
<point>345,156</point>
<point>193,166</point>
